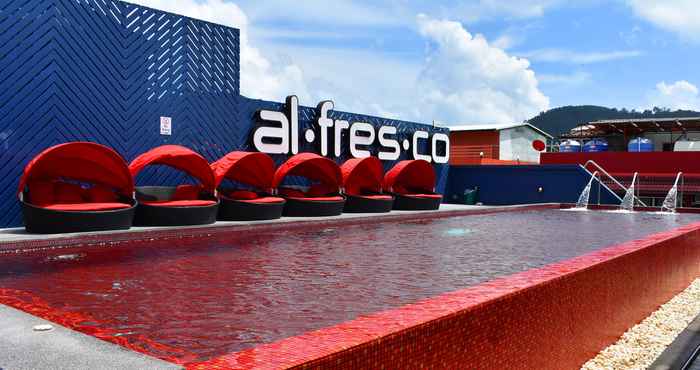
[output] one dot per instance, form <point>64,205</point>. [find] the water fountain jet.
<point>628,201</point>
<point>583,199</point>
<point>671,200</point>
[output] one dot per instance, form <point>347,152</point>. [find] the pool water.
<point>191,300</point>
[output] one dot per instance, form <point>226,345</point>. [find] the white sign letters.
<point>279,134</point>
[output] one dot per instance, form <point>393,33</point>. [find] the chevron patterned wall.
<point>106,71</point>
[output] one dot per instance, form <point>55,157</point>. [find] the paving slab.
<point>21,347</point>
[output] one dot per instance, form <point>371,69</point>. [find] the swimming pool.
<point>189,300</point>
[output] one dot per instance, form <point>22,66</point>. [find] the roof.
<point>634,126</point>
<point>496,127</point>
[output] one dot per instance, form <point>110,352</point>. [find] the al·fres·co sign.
<point>283,137</point>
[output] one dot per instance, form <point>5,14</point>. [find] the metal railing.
<point>602,171</point>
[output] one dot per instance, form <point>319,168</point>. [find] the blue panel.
<point>106,71</point>
<point>559,183</point>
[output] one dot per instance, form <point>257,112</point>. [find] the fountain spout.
<point>628,201</point>
<point>583,199</point>
<point>671,201</point>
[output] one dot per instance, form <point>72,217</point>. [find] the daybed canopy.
<point>178,157</point>
<point>250,168</point>
<point>311,166</point>
<point>362,175</point>
<point>80,161</point>
<point>410,175</point>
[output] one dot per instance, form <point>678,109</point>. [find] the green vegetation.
<point>560,120</point>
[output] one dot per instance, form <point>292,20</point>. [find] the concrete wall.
<point>504,185</point>
<point>516,144</point>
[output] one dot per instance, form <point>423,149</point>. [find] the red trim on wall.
<point>554,317</point>
<point>629,162</point>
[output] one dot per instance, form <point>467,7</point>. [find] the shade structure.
<point>81,161</point>
<point>362,175</point>
<point>250,168</point>
<point>413,184</point>
<point>176,206</point>
<point>319,169</point>
<point>253,169</point>
<point>362,181</point>
<point>178,157</point>
<point>54,203</point>
<point>416,175</point>
<point>313,167</point>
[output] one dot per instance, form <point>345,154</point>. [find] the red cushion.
<point>318,199</point>
<point>243,195</point>
<point>66,193</point>
<point>102,194</point>
<point>319,190</point>
<point>377,196</point>
<point>431,196</point>
<point>180,203</point>
<point>398,189</point>
<point>264,200</point>
<point>289,192</point>
<point>187,192</point>
<point>87,206</point>
<point>41,193</point>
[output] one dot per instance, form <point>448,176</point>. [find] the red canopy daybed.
<point>362,182</point>
<point>255,202</point>
<point>181,205</point>
<point>77,186</point>
<point>322,198</point>
<point>413,184</point>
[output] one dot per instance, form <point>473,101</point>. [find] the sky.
<point>463,62</point>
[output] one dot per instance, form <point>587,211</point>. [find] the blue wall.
<point>504,185</point>
<point>106,71</point>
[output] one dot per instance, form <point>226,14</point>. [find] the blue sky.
<point>460,62</point>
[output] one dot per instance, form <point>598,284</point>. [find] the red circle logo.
<point>539,145</point>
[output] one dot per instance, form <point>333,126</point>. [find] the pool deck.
<point>61,348</point>
<point>23,348</point>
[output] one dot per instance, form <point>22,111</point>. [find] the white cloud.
<point>390,13</point>
<point>568,56</point>
<point>260,78</point>
<point>465,79</point>
<point>337,12</point>
<point>573,79</point>
<point>503,42</point>
<point>679,16</point>
<point>678,95</point>
<point>475,10</point>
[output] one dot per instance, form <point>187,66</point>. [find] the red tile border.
<point>554,317</point>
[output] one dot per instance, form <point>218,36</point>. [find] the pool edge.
<point>161,233</point>
<point>553,317</point>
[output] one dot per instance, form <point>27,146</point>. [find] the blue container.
<point>595,146</point>
<point>570,146</point>
<point>640,144</point>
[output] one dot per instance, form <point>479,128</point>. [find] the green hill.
<point>560,120</point>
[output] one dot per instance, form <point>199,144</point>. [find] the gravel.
<point>643,343</point>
